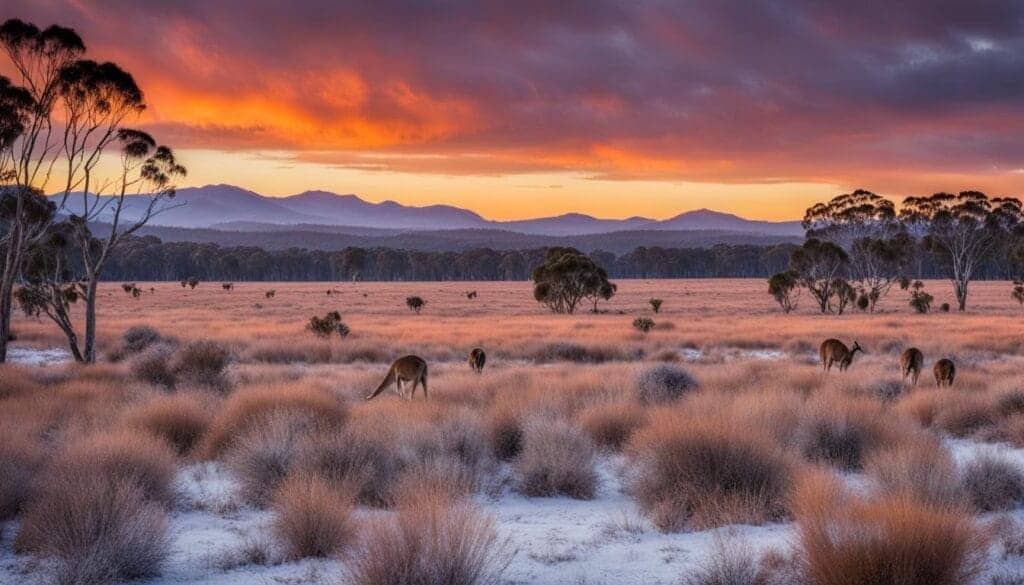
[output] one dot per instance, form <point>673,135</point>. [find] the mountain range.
<point>230,208</point>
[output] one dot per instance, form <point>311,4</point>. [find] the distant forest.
<point>148,258</point>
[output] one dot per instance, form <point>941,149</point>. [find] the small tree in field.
<point>643,324</point>
<point>819,266</point>
<point>843,294</point>
<point>415,303</point>
<point>919,299</point>
<point>785,289</point>
<point>655,305</point>
<point>1018,292</point>
<point>327,325</point>
<point>566,277</point>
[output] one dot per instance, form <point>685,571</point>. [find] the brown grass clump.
<point>154,366</point>
<point>663,383</point>
<point>993,484</point>
<point>125,455</point>
<point>921,468</point>
<point>505,433</point>
<point>842,431</point>
<point>889,540</point>
<point>610,425</point>
<point>358,458</point>
<point>312,518</point>
<point>557,459</point>
<point>179,419</point>
<point>251,407</point>
<point>262,458</point>
<point>100,529</point>
<point>728,565</point>
<point>700,471</point>
<point>430,542</point>
<point>17,382</point>
<point>21,458</point>
<point>203,363</point>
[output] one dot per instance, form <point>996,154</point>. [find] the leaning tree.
<point>819,267</point>
<point>962,231</point>
<point>566,277</point>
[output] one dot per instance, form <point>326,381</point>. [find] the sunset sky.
<point>531,108</point>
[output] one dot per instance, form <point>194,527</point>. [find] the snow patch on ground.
<point>38,357</point>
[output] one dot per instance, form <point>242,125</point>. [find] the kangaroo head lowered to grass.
<point>477,358</point>
<point>410,368</point>
<point>945,372</point>
<point>911,361</point>
<point>833,351</point>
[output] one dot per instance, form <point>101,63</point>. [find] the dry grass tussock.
<point>610,425</point>
<point>696,470</point>
<point>922,469</point>
<point>890,539</point>
<point>557,459</point>
<point>21,458</point>
<point>179,419</point>
<point>844,430</point>
<point>98,528</point>
<point>431,541</point>
<point>248,408</point>
<point>312,518</point>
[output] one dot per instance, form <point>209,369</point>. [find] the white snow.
<point>38,357</point>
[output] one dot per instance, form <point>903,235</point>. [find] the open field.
<point>586,452</point>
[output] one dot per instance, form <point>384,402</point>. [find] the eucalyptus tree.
<point>30,143</point>
<point>962,231</point>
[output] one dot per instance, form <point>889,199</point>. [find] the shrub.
<point>311,518</point>
<point>139,338</point>
<point>264,456</point>
<point>431,542</point>
<point>785,289</point>
<point>843,432</point>
<point>920,300</point>
<point>655,305</point>
<point>125,455</point>
<point>21,458</point>
<point>611,425</point>
<point>248,409</point>
<point>99,528</point>
<point>993,484</point>
<point>920,468</point>
<point>703,472</point>
<point>270,294</point>
<point>179,419</point>
<point>643,324</point>
<point>663,383</point>
<point>357,459</point>
<point>154,366</point>
<point>415,303</point>
<point>892,539</point>
<point>557,459</point>
<point>728,566</point>
<point>327,325</point>
<point>944,307</point>
<point>202,363</point>
<point>506,433</point>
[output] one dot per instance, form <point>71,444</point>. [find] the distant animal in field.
<point>833,351</point>
<point>228,286</point>
<point>270,293</point>
<point>911,361</point>
<point>477,358</point>
<point>410,368</point>
<point>945,371</point>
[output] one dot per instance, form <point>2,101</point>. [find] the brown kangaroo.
<point>410,368</point>
<point>477,357</point>
<point>833,351</point>
<point>945,371</point>
<point>911,361</point>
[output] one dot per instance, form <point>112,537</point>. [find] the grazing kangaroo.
<point>410,368</point>
<point>911,361</point>
<point>477,357</point>
<point>945,371</point>
<point>833,351</point>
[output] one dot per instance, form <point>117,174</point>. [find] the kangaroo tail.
<point>388,379</point>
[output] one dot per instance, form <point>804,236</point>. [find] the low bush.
<point>920,468</point>
<point>98,528</point>
<point>154,366</point>
<point>842,432</point>
<point>505,433</point>
<point>430,542</point>
<point>611,425</point>
<point>263,457</point>
<point>702,471</point>
<point>311,518</point>
<point>663,383</point>
<point>358,459</point>
<point>179,419</point>
<point>992,484</point>
<point>889,540</point>
<point>557,459</point>
<point>251,407</point>
<point>139,338</point>
<point>203,363</point>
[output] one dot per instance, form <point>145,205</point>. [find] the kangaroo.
<point>945,371</point>
<point>410,368</point>
<point>911,361</point>
<point>477,357</point>
<point>833,351</point>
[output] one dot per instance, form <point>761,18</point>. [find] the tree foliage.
<point>566,277</point>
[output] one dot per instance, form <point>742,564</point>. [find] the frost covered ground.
<point>559,540</point>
